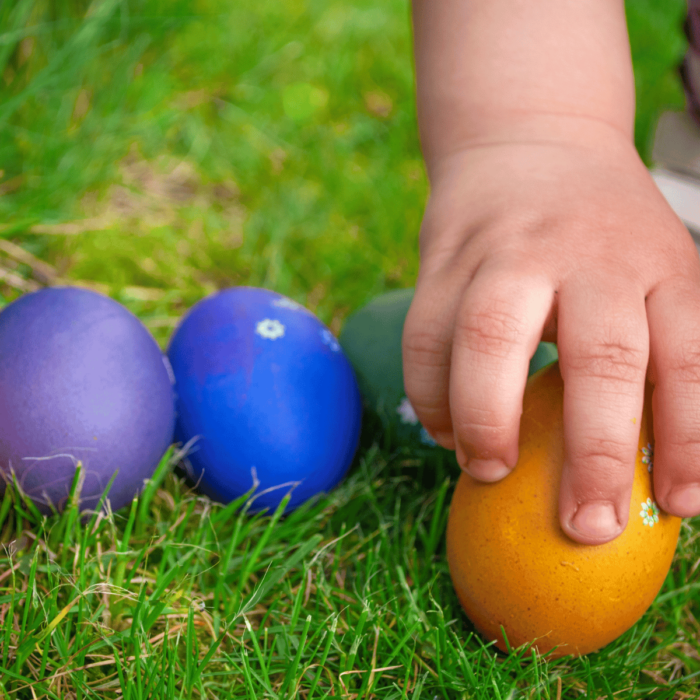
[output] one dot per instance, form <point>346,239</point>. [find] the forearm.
<point>489,69</point>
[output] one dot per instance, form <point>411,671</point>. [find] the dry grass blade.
<point>73,228</point>
<point>44,273</point>
<point>16,281</point>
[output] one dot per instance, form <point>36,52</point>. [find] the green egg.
<point>545,354</point>
<point>371,339</point>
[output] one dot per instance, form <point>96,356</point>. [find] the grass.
<point>347,597</point>
<point>158,151</point>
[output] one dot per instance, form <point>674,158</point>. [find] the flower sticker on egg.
<point>285,303</point>
<point>330,340</point>
<point>406,411</point>
<point>648,458</point>
<point>649,513</point>
<point>269,328</point>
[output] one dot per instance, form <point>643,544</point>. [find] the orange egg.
<point>513,567</point>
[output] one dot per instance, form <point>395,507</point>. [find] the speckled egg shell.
<point>512,565</point>
<point>265,391</point>
<point>81,379</point>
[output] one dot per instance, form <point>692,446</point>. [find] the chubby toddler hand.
<point>565,240</point>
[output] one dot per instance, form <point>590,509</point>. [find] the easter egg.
<point>81,381</point>
<point>545,354</point>
<point>371,338</point>
<point>265,397</point>
<point>513,567</point>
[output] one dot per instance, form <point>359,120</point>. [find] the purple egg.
<point>81,380</point>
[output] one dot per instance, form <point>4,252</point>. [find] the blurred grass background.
<point>157,151</point>
<point>162,150</point>
<point>271,144</point>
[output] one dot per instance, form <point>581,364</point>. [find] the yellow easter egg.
<point>514,569</point>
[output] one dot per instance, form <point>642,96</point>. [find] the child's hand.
<point>543,223</point>
<point>564,239</point>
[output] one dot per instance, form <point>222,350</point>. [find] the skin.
<point>543,223</point>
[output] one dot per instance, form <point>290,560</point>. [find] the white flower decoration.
<point>648,458</point>
<point>649,513</point>
<point>330,340</point>
<point>405,410</point>
<point>270,328</point>
<point>426,439</point>
<point>285,303</point>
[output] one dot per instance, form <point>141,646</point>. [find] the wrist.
<point>527,130</point>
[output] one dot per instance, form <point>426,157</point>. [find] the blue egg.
<point>266,394</point>
<point>81,380</point>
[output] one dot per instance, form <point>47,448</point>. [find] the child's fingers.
<point>427,336</point>
<point>497,328</point>
<point>603,352</point>
<point>673,310</point>
<point>427,344</point>
<point>427,347</point>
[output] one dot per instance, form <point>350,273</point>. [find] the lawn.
<point>158,151</point>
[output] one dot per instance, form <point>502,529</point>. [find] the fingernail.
<point>684,501</point>
<point>486,469</point>
<point>446,440</point>
<point>596,520</point>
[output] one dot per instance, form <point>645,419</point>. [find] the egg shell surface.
<point>81,379</point>
<point>266,392</point>
<point>513,566</point>
<point>371,339</point>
